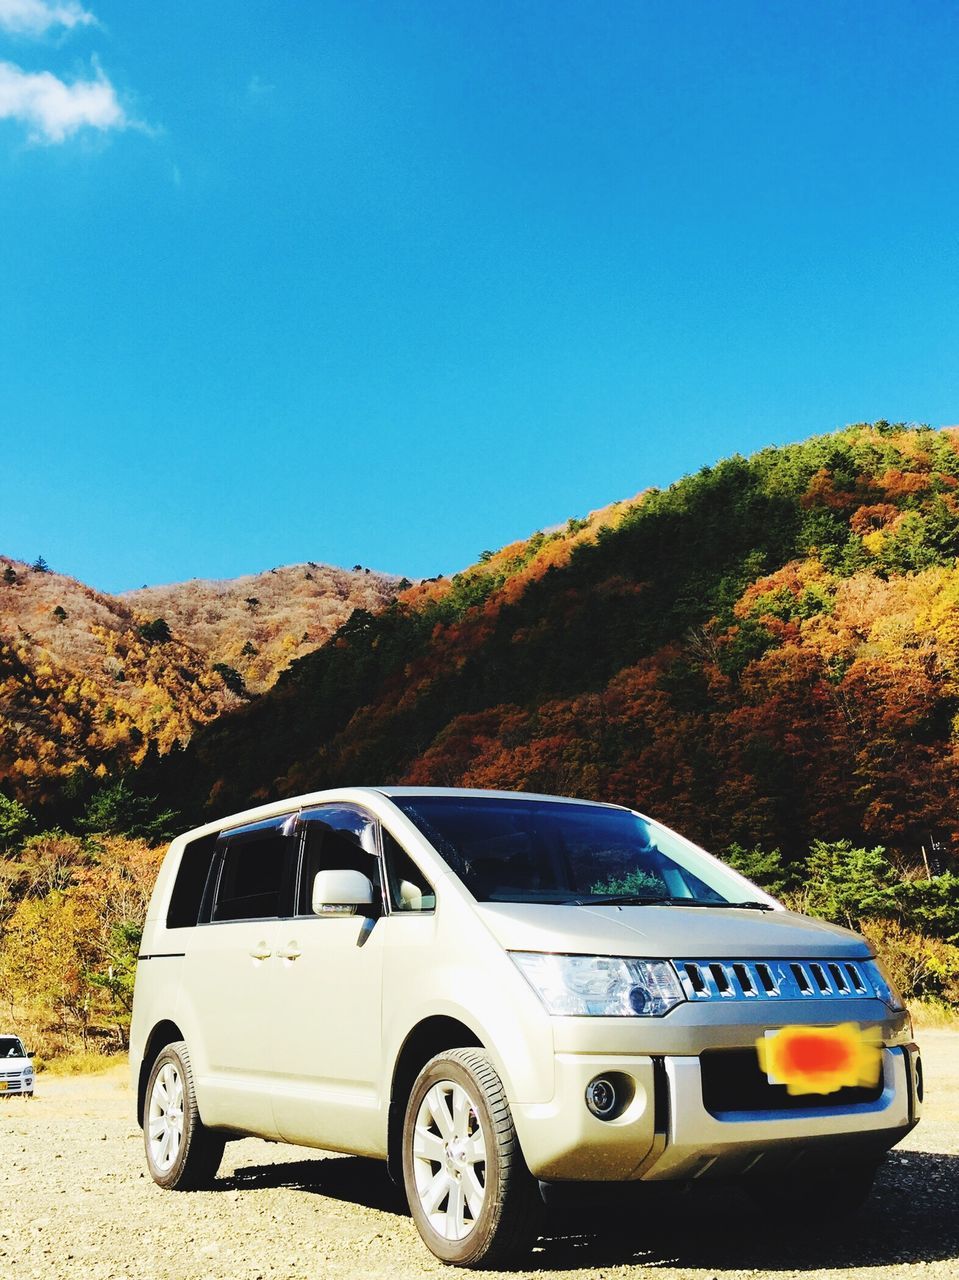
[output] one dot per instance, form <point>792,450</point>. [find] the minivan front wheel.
<point>182,1154</point>
<point>470,1193</point>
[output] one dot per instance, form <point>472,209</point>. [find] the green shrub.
<point>765,868</point>
<point>923,968</point>
<point>117,810</point>
<point>15,820</point>
<point>847,885</point>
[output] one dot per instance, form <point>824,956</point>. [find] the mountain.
<point>91,684</point>
<point>258,623</point>
<point>765,652</point>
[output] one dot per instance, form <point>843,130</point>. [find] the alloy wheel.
<point>449,1160</point>
<point>165,1118</point>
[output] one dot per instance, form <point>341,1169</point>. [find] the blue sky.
<point>390,284</point>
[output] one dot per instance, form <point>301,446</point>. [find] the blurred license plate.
<point>3,1085</point>
<point>811,1059</point>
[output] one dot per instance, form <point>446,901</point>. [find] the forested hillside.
<point>258,623</point>
<point>765,655</point>
<point>767,652</point>
<point>91,684</point>
<point>87,684</point>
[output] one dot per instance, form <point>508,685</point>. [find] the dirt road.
<point>75,1202</point>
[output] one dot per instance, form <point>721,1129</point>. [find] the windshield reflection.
<point>552,851</point>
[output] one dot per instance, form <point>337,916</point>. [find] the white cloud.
<point>35,17</point>
<point>53,110</point>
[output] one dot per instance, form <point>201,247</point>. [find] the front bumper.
<point>666,1133</point>
<point>15,1086</point>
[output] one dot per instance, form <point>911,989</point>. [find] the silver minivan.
<point>495,992</point>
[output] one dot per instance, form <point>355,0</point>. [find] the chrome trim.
<point>701,1143</point>
<point>772,979</point>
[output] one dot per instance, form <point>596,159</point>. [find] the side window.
<point>255,876</point>
<point>336,838</point>
<point>191,881</point>
<point>409,888</point>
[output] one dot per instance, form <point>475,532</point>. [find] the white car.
<point>493,991</point>
<point>16,1068</point>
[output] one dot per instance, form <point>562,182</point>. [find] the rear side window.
<point>255,875</point>
<point>191,881</point>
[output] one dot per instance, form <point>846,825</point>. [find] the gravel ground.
<point>78,1203</point>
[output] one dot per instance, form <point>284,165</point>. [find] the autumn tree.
<point>47,950</point>
<point>114,974</point>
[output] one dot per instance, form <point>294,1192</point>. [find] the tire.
<point>470,1193</point>
<point>182,1154</point>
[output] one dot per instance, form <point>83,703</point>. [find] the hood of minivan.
<point>687,933</point>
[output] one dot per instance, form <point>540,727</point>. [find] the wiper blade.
<point>626,900</point>
<point>635,900</point>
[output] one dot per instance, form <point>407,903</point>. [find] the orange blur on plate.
<point>820,1059</point>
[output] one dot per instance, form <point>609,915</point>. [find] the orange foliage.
<point>81,687</point>
<point>874,516</point>
<point>823,492</point>
<point>898,484</point>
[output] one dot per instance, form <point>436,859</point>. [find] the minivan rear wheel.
<point>470,1193</point>
<point>182,1153</point>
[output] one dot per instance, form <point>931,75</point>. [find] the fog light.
<point>608,1095</point>
<point>601,1097</point>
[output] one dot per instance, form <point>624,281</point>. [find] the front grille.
<point>733,1081</point>
<point>772,979</point>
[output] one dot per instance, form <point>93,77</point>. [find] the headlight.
<point>882,984</point>
<point>605,986</point>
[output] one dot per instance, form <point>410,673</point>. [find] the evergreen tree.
<point>155,632</point>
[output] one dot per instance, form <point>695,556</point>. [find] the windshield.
<point>10,1047</point>
<point>518,850</point>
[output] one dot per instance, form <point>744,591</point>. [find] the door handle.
<point>260,952</point>
<point>290,953</point>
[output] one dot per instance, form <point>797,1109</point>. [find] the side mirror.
<point>341,893</point>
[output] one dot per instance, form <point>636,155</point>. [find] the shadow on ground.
<point>910,1217</point>
<point>348,1178</point>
